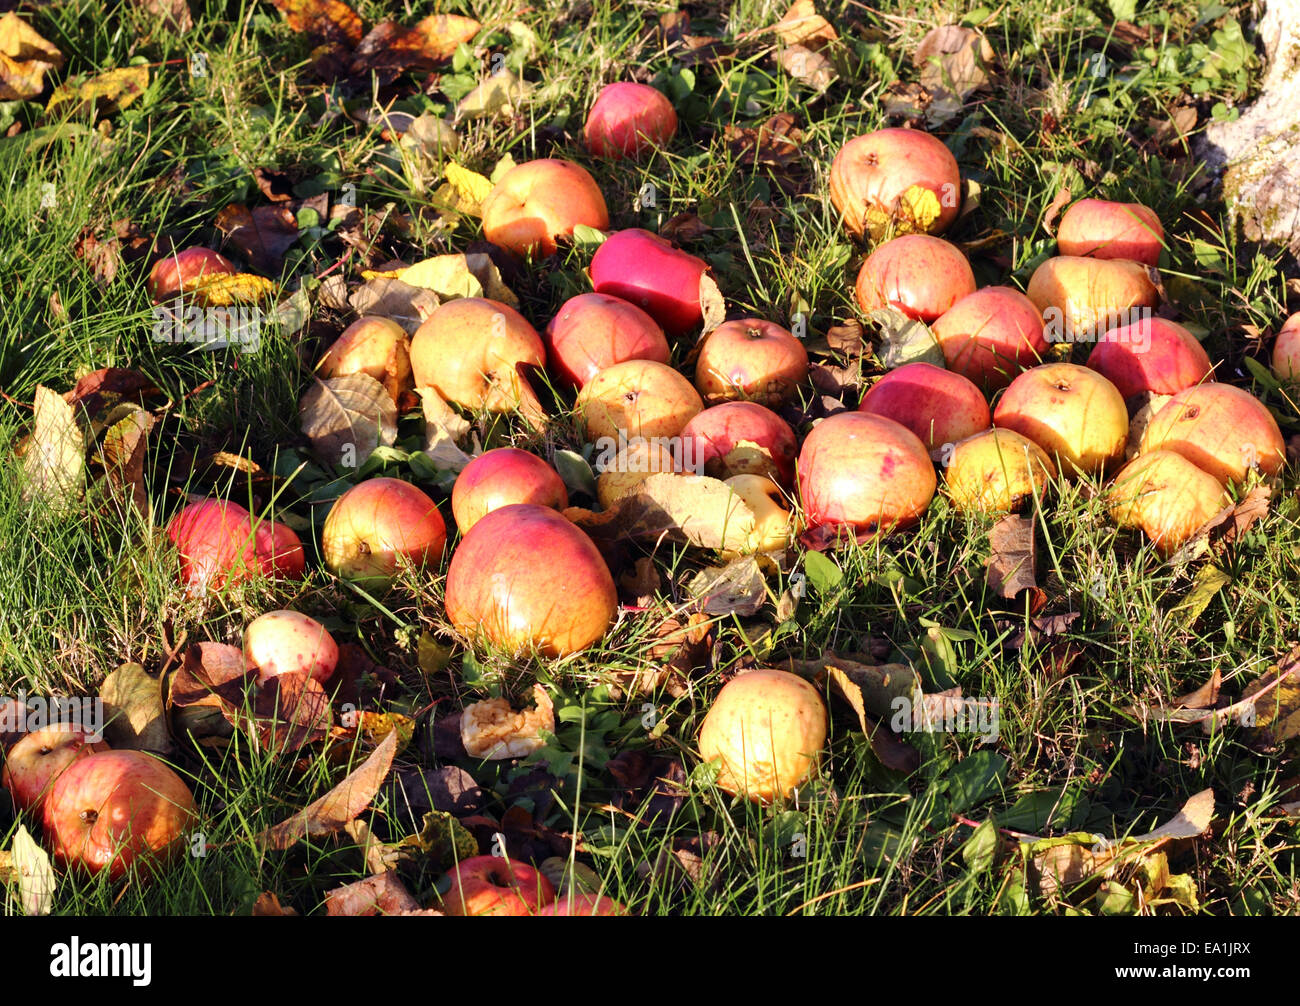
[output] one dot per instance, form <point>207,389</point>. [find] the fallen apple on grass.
<point>1073,413</point>
<point>538,201</point>
<point>524,577</point>
<point>492,885</point>
<point>289,642</point>
<point>637,398</point>
<point>1221,429</point>
<point>1152,354</point>
<point>938,405</point>
<point>502,476</point>
<point>1081,297</point>
<point>1286,350</point>
<point>739,438</point>
<point>218,545</point>
<point>991,335</point>
<point>593,331</point>
<point>628,119</point>
<point>646,270</point>
<point>38,758</point>
<point>115,809</point>
<point>1166,496</point>
<point>919,275</point>
<point>750,359</point>
<point>900,178</point>
<point>583,904</point>
<point>180,273</point>
<point>378,347</point>
<point>1110,230</point>
<point>379,524</point>
<point>767,728</point>
<point>997,471</point>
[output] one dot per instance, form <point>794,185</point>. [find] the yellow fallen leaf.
<point>232,288</point>
<point>915,212</point>
<point>20,41</point>
<point>115,89</point>
<point>452,276</point>
<point>470,185</point>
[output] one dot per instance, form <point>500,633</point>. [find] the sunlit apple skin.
<point>1073,413</point>
<point>378,347</point>
<point>1166,496</point>
<point>939,406</point>
<point>871,174</point>
<point>775,525</point>
<point>750,359</point>
<point>1109,230</point>
<point>1152,354</point>
<point>997,471</point>
<point>767,728</point>
<point>1082,297</point>
<point>492,885</point>
<point>475,352</point>
<point>378,524</point>
<point>709,440</point>
<point>289,642</point>
<point>116,808</point>
<point>502,476</point>
<point>991,335</point>
<point>174,274</point>
<point>919,275</point>
<point>32,764</point>
<point>538,201</point>
<point>593,331</point>
<point>638,398</point>
<point>218,546</point>
<point>646,270</point>
<point>526,577</point>
<point>628,119</point>
<point>1286,350</point>
<point>280,550</point>
<point>1221,429</point>
<point>864,472</point>
<point>583,904</point>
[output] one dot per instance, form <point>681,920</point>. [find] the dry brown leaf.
<point>390,298</point>
<point>268,904</point>
<point>263,234</point>
<point>953,60</point>
<point>101,94</point>
<point>329,21</point>
<point>25,58</point>
<point>346,418</point>
<point>809,67</point>
<point>134,712</point>
<point>1227,526</point>
<point>122,454</point>
<point>1205,697</point>
<point>802,25</point>
<point>738,588</point>
<point>1013,559</point>
<point>382,894</point>
<point>1059,202</point>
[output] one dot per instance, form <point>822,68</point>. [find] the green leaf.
<point>975,779</point>
<point>905,340</point>
<point>981,849</point>
<point>576,473</point>
<point>822,572</point>
<point>1209,580</point>
<point>588,237</point>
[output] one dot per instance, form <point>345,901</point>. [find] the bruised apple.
<point>646,270</point>
<point>1109,230</point>
<point>492,885</point>
<point>633,463</point>
<point>1286,350</point>
<point>628,119</point>
<point>1221,429</point>
<point>921,276</point>
<point>377,347</point>
<point>1073,413</point>
<point>181,272</point>
<point>991,335</point>
<point>902,178</point>
<point>502,476</point>
<point>997,471</point>
<point>864,474</point>
<point>289,642</point>
<point>114,809</point>
<point>475,353</point>
<point>538,201</point>
<point>767,729</point>
<point>594,331</point>
<point>1166,496</point>
<point>739,438</point>
<point>218,545</point>
<point>751,359</point>
<point>939,406</point>
<point>32,764</point>
<point>524,577</point>
<point>1152,354</point>
<point>379,524</point>
<point>637,398</point>
<point>1081,297</point>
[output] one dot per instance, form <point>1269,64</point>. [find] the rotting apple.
<point>631,465</point>
<point>1073,413</point>
<point>114,809</point>
<point>502,476</point>
<point>628,119</point>
<point>538,201</point>
<point>492,885</point>
<point>1221,429</point>
<point>1286,350</point>
<point>767,728</point>
<point>646,270</point>
<point>1081,298</point>
<point>1110,230</point>
<point>919,275</point>
<point>1166,496</point>
<point>997,471</point>
<point>750,359</point>
<point>863,474</point>
<point>637,398</point>
<point>583,903</point>
<point>182,271</point>
<point>218,545</point>
<point>991,335</point>
<point>379,524</point>
<point>739,438</point>
<point>288,642</point>
<point>378,347</point>
<point>594,331</point>
<point>524,577</point>
<point>475,353</point>
<point>900,178</point>
<point>775,525</point>
<point>1152,354</point>
<point>32,764</point>
<point>939,406</point>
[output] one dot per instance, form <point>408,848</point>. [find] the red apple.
<point>1152,354</point>
<point>379,524</point>
<point>218,545</point>
<point>1108,230</point>
<point>902,178</point>
<point>991,335</point>
<point>538,201</point>
<point>628,119</point>
<point>1286,350</point>
<point>637,398</point>
<point>378,347</point>
<point>492,885</point>
<point>594,331</point>
<point>1073,413</point>
<point>288,642</point>
<point>739,438</point>
<point>181,272</point>
<point>117,808</point>
<point>500,477</point>
<point>583,904</point>
<point>280,550</point>
<point>864,474</point>
<point>921,276</point>
<point>939,406</point>
<point>753,359</point>
<point>1221,429</point>
<point>32,765</point>
<point>525,577</point>
<point>646,270</point>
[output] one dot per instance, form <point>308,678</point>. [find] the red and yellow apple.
<point>1080,297</point>
<point>289,642</point>
<point>938,405</point>
<point>538,201</point>
<point>502,476</point>
<point>750,359</point>
<point>739,438</point>
<point>183,271</point>
<point>378,525</point>
<point>32,764</point>
<point>492,885</point>
<point>629,119</point>
<point>646,270</point>
<point>919,275</point>
<point>377,347</point>
<point>1221,429</point>
<point>218,545</point>
<point>594,331</point>
<point>997,471</point>
<point>1110,230</point>
<point>637,398</point>
<point>991,335</point>
<point>1166,496</point>
<point>1073,413</point>
<point>583,904</point>
<point>899,178</point>
<point>1286,350</point>
<point>1152,354</point>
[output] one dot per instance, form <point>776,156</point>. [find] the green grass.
<point>82,594</point>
